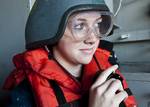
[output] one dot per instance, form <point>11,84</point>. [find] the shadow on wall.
<point>148,12</point>
<point>12,24</point>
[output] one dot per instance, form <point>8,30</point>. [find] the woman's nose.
<point>92,38</point>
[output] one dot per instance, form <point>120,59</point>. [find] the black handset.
<point>115,76</point>
<point>112,75</point>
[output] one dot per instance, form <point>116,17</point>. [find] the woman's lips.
<point>87,51</point>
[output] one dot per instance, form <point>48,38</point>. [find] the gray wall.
<point>132,39</point>
<point>13,15</point>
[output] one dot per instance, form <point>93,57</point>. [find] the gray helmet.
<point>47,20</point>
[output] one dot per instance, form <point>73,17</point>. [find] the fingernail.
<point>116,66</point>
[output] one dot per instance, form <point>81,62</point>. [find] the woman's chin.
<point>85,60</point>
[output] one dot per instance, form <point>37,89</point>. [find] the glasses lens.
<point>105,26</point>
<point>101,28</point>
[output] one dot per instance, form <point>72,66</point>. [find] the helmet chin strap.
<point>46,48</point>
<point>31,2</point>
<point>120,3</point>
<point>50,56</point>
<point>110,4</point>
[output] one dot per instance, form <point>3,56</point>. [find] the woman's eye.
<point>97,24</point>
<point>80,26</point>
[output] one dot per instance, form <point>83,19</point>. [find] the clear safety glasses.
<point>101,27</point>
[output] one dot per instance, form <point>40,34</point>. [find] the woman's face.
<point>79,41</point>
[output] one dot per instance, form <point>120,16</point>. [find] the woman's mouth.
<point>87,51</point>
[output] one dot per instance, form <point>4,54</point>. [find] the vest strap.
<point>58,92</point>
<point>60,96</point>
<point>128,92</point>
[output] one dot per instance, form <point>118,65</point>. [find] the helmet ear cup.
<point>47,20</point>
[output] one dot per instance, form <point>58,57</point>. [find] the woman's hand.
<point>103,91</point>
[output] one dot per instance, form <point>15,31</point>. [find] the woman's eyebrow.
<point>81,19</point>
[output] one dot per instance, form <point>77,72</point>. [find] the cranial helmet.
<point>48,18</point>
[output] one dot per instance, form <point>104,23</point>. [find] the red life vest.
<point>38,69</point>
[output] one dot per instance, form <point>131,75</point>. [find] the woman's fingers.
<point>115,86</point>
<point>120,97</point>
<point>103,76</point>
<point>103,87</point>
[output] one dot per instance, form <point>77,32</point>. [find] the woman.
<point>63,65</point>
